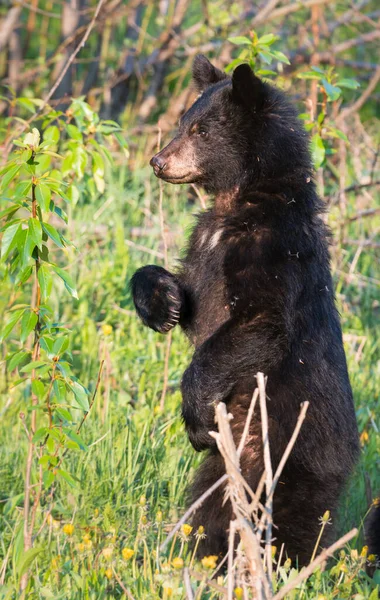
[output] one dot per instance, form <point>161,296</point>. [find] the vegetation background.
<point>94,461</point>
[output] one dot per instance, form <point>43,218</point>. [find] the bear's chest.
<point>204,275</point>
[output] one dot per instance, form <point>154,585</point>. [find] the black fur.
<point>372,530</point>
<point>257,295</point>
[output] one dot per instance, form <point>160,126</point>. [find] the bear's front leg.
<point>158,298</point>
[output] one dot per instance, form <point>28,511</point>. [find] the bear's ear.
<point>205,74</point>
<point>247,89</point>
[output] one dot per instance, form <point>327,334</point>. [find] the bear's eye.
<point>203,133</point>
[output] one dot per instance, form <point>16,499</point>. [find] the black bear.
<point>254,293</point>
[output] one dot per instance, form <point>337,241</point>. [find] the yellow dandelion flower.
<point>372,558</point>
<point>107,552</point>
<point>55,562</point>
<point>274,550</point>
<point>107,329</point>
<point>168,591</point>
<point>81,547</point>
<point>186,529</point>
<point>364,552</point>
<point>144,519</point>
<point>238,592</point>
<point>142,501</point>
<point>364,437</point>
<point>177,562</point>
<point>209,562</point>
<point>127,553</point>
<point>68,529</point>
<point>96,512</point>
<point>88,544</point>
<point>108,573</point>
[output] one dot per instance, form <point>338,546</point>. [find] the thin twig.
<point>125,590</point>
<point>187,582</point>
<point>313,565</point>
<point>192,509</point>
<point>268,475</point>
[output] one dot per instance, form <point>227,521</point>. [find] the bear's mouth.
<point>188,178</point>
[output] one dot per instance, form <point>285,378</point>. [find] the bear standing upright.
<point>254,293</point>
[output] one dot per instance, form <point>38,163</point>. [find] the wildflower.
<point>142,501</point>
<point>209,562</point>
<point>159,516</point>
<point>107,552</point>
<point>186,529</point>
<point>376,502</point>
<point>364,437</point>
<point>325,520</point>
<point>96,512</point>
<point>144,520</point>
<point>200,533</point>
<point>107,329</point>
<point>177,562</point>
<point>274,550</point>
<point>55,562</point>
<point>168,591</point>
<point>238,592</point>
<point>81,547</point>
<point>287,564</point>
<point>364,552</point>
<point>108,573</point>
<point>343,567</point>
<point>371,558</point>
<point>68,529</point>
<point>127,553</point>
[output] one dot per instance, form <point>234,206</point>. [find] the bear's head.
<point>238,131</point>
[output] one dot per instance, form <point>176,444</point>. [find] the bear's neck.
<point>225,201</point>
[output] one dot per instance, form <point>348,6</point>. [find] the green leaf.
<point>69,284</point>
<point>45,280</point>
<point>48,478</point>
<point>318,150</point>
<point>35,364</point>
<point>240,40</point>
<point>280,56</point>
<point>332,91</point>
<point>43,195</point>
<point>38,388</point>
<point>80,395</point>
<point>16,359</point>
<point>27,559</point>
<point>60,345</point>
<point>350,84</point>
<point>59,388</point>
<point>40,434</point>
<point>64,414</point>
<point>53,234</point>
<point>35,231</point>
<point>22,189</point>
<point>9,176</point>
<point>69,478</point>
<point>28,323</point>
<point>74,133</point>
<point>75,438</point>
<point>52,134</point>
<point>9,241</point>
<point>267,39</point>
<point>9,324</point>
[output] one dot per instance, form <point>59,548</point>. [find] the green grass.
<point>133,478</point>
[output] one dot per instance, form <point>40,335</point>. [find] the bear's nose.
<point>158,163</point>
